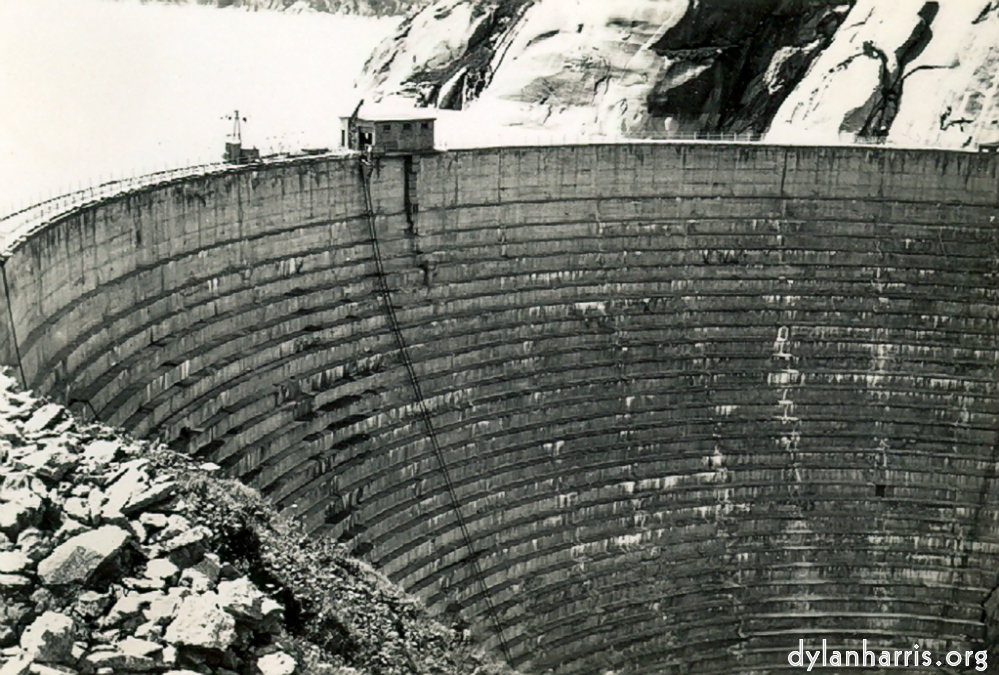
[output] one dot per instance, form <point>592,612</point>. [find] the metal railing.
<point>540,137</point>
<point>17,225</point>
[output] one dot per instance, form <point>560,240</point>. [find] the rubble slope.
<point>120,556</point>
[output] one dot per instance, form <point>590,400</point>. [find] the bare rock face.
<point>77,559</point>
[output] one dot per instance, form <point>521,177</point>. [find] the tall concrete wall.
<point>694,402</point>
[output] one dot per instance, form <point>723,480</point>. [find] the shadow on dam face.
<point>650,408</point>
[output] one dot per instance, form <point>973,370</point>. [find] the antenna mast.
<point>237,131</point>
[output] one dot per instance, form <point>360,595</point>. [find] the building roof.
<point>392,113</point>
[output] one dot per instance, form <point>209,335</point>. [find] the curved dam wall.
<point>687,404</point>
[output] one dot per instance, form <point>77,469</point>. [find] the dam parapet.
<point>692,400</point>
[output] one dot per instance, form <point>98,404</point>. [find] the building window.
<point>386,127</point>
<point>406,126</point>
<point>425,125</point>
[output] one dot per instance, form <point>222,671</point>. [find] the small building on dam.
<point>649,408</point>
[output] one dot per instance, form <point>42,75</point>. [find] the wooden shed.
<point>388,132</point>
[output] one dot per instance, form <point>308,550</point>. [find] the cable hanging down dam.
<point>651,408</point>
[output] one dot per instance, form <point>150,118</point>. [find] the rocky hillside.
<point>117,556</point>
<point>917,71</point>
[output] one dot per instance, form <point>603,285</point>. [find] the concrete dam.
<point>651,408</point>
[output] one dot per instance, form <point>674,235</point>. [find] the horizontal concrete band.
<point>694,402</point>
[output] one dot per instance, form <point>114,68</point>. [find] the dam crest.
<point>639,408</point>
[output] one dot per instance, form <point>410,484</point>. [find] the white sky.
<point>94,88</point>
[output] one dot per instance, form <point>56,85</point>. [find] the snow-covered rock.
<point>912,72</point>
<point>647,68</point>
<point>918,73</point>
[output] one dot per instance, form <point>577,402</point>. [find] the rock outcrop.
<point>118,556</point>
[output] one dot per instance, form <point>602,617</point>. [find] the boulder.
<point>19,665</point>
<point>92,604</point>
<point>44,600</point>
<point>187,548</point>
<point>43,418</point>
<point>196,581</point>
<point>175,524</point>
<point>142,584</point>
<point>21,509</point>
<point>77,507</point>
<point>14,582</point>
<point>128,608</point>
<point>34,543</point>
<point>14,562</point>
<point>149,631</point>
<point>42,669</point>
<point>52,463</point>
<point>201,622</point>
<point>129,485</point>
<point>153,521</point>
<point>99,453</point>
<point>137,529</point>
<point>278,663</point>
<point>154,494</point>
<point>162,609</point>
<point>210,566</point>
<point>161,568</point>
<point>135,647</point>
<point>69,529</point>
<point>77,559</point>
<point>245,601</point>
<point>120,662</point>
<point>49,639</point>
<point>94,501</point>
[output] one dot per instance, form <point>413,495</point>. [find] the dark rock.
<point>92,604</point>
<point>245,601</point>
<point>34,543</point>
<point>120,662</point>
<point>49,639</point>
<point>14,582</point>
<point>187,548</point>
<point>150,496</point>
